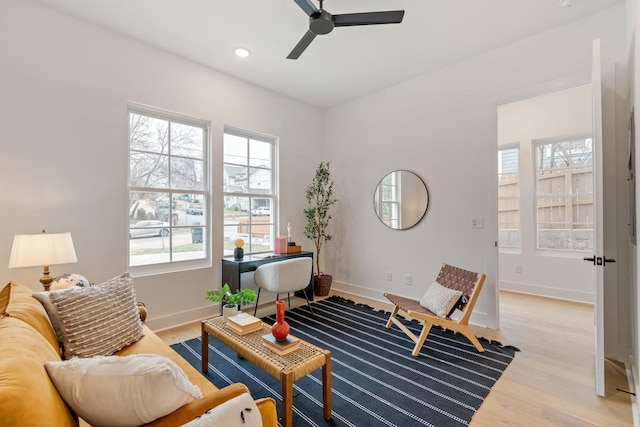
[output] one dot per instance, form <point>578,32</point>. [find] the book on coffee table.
<point>290,344</point>
<point>244,323</point>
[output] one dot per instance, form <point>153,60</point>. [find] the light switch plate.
<point>477,222</point>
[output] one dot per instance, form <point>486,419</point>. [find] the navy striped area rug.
<point>375,380</point>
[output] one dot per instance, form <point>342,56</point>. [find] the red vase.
<point>280,329</point>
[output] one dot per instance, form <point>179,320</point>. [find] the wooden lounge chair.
<point>468,282</point>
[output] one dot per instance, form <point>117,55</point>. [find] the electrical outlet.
<point>408,279</point>
<point>389,276</point>
<point>518,268</point>
<point>477,222</point>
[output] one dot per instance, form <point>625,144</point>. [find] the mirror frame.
<point>426,193</point>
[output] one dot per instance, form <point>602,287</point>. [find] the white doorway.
<point>544,256</point>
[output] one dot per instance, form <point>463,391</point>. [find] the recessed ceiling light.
<point>242,52</point>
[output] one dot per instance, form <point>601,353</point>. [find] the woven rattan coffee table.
<point>287,368</point>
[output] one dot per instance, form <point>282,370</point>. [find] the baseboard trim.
<point>547,291</point>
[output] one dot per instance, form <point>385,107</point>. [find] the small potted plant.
<point>230,300</point>
<point>319,201</point>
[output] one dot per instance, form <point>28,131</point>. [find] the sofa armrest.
<point>268,411</point>
<point>198,407</point>
<point>142,311</point>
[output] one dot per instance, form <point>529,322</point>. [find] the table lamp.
<point>43,249</point>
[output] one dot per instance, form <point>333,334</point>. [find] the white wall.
<point>443,127</point>
<point>564,113</point>
<point>64,87</point>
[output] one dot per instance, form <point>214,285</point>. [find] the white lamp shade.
<point>43,249</point>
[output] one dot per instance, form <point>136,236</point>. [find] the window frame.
<point>272,197</point>
<point>203,194</point>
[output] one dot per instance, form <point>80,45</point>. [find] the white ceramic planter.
<point>229,310</point>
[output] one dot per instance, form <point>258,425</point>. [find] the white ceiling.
<point>342,65</point>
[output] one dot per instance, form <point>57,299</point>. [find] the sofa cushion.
<point>16,301</point>
<point>241,411</point>
<point>123,391</point>
<point>98,320</point>
<point>27,395</point>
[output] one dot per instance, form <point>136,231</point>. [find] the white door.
<point>599,259</point>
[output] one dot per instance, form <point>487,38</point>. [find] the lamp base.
<point>46,279</point>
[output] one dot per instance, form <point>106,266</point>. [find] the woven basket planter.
<point>322,285</point>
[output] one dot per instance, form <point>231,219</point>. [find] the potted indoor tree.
<point>230,300</point>
<point>319,201</point>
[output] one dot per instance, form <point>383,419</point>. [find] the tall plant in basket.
<point>319,201</point>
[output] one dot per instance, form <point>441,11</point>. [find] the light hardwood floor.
<point>551,380</point>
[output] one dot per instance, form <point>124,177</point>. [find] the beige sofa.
<point>29,398</point>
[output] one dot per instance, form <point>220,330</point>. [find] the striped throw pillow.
<point>99,320</point>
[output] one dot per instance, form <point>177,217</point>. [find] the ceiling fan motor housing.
<point>321,22</point>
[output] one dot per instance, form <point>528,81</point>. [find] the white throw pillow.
<point>241,411</point>
<point>440,300</point>
<point>98,320</point>
<point>115,391</point>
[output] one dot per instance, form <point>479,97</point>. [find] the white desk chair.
<point>281,277</point>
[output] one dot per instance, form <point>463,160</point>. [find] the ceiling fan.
<point>322,22</point>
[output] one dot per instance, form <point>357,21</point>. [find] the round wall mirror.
<point>401,200</point>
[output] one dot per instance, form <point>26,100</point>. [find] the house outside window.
<point>564,195</point>
<point>508,198</point>
<point>249,190</point>
<point>168,191</point>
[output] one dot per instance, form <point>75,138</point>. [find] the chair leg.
<point>289,298</point>
<point>255,310</point>
<point>471,337</point>
<point>393,314</point>
<point>307,299</point>
<point>423,336</point>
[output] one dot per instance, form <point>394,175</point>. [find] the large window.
<point>508,198</point>
<point>168,190</point>
<point>249,191</point>
<point>564,194</point>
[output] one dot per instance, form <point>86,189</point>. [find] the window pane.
<point>148,134</point>
<point>148,170</point>
<point>187,173</point>
<point>260,181</point>
<point>236,150</point>
<point>260,154</point>
<point>508,198</point>
<point>145,249</point>
<point>187,141</point>
<point>554,236</point>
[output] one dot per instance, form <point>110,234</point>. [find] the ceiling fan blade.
<point>308,7</point>
<point>304,42</point>
<point>368,18</point>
